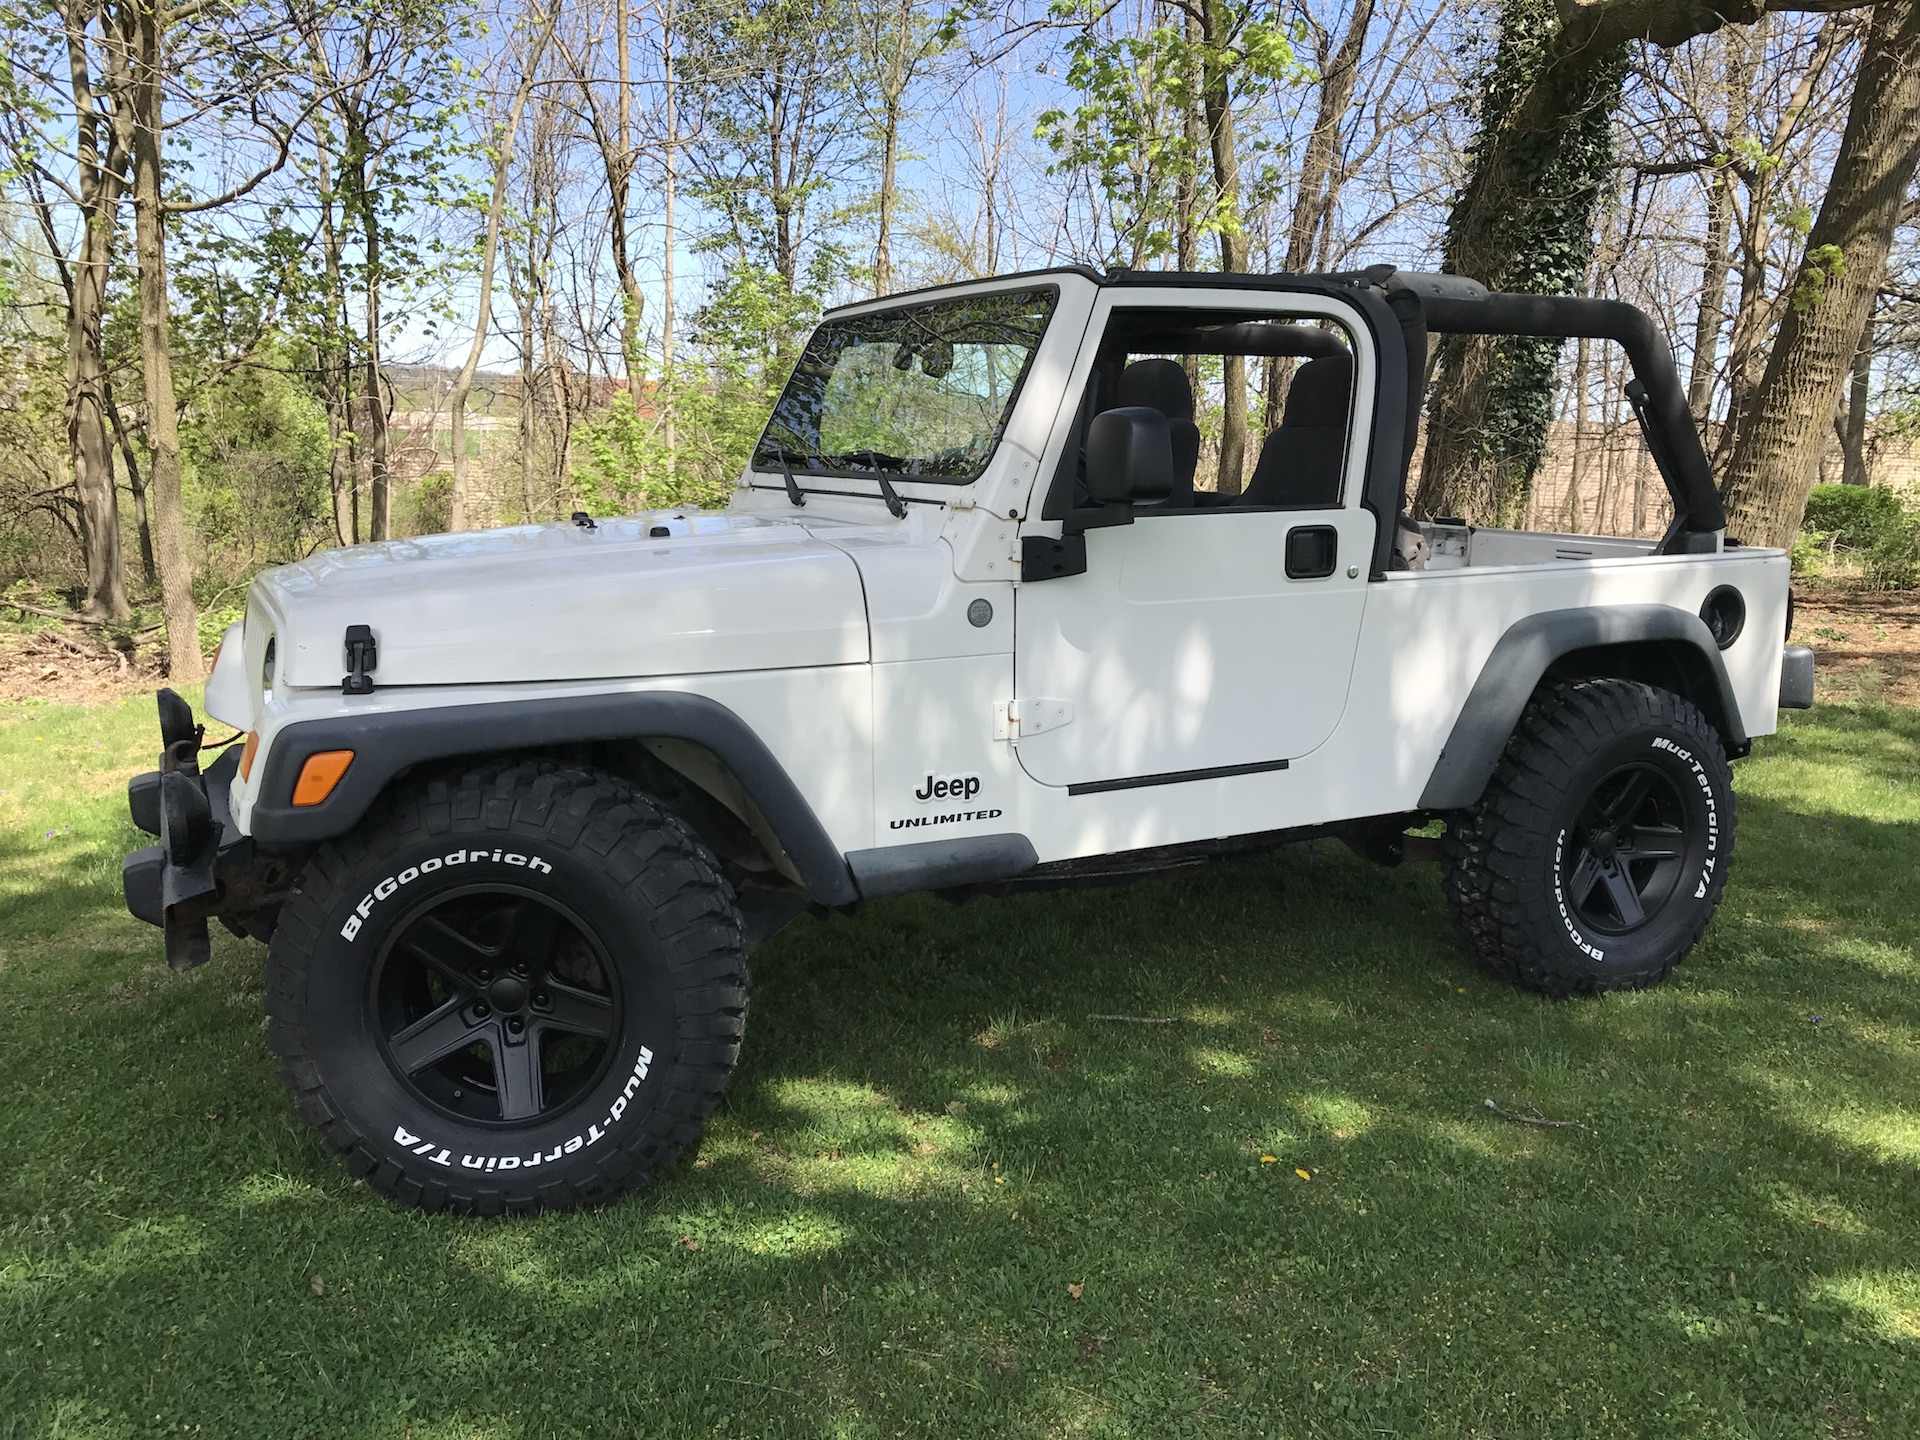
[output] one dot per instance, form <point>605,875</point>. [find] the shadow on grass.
<point>931,1138</point>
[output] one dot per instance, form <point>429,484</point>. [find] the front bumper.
<point>203,866</point>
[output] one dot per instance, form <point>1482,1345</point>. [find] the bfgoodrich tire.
<point>1597,855</point>
<point>518,988</point>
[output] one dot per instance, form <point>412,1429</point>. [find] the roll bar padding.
<point>1674,438</point>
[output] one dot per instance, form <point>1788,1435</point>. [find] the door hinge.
<point>1034,715</point>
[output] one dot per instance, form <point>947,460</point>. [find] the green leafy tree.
<point>1160,107</point>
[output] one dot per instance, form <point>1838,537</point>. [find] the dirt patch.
<point>1866,643</point>
<point>70,666</point>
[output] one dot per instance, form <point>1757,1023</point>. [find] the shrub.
<point>1854,517</point>
<point>427,505</point>
<point>1810,552</point>
<point>1894,561</point>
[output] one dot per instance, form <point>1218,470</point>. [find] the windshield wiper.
<point>794,494</point>
<point>878,462</point>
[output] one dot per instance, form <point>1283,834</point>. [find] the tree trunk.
<point>156,359</point>
<point>335,386</point>
<point>889,166</point>
<point>1314,198</point>
<point>1193,127</point>
<point>93,483</point>
<point>1642,462</point>
<point>101,177</point>
<point>667,392</point>
<point>1853,426</point>
<point>1736,77</point>
<point>1759,310</point>
<point>616,164</point>
<point>523,300</point>
<point>1831,294</point>
<point>1233,242</point>
<point>141,526</point>
<point>379,491</point>
<point>1584,358</point>
<point>1523,221</point>
<point>490,248</point>
<point>632,302</point>
<point>1713,296</point>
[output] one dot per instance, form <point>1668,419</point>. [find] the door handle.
<point>1312,552</point>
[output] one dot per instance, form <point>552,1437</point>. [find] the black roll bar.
<point>1455,305</point>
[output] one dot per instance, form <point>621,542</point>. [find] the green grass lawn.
<point>944,1199</point>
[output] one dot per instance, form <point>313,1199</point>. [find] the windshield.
<point>922,391</point>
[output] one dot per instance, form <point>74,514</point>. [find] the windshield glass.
<point>922,391</point>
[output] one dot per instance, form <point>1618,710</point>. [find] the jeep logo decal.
<point>947,787</point>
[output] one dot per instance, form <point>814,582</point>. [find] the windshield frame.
<point>758,463</point>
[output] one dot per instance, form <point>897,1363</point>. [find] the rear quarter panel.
<point>1427,635</point>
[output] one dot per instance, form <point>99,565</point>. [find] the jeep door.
<point>1214,635</point>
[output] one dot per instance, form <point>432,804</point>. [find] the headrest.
<point>1163,384</point>
<point>1319,394</point>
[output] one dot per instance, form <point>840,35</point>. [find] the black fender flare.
<point>388,742</point>
<point>1531,648</point>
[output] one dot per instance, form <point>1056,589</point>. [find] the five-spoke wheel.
<point>495,1004</point>
<point>1598,852</point>
<point>519,987</point>
<point>1628,845</point>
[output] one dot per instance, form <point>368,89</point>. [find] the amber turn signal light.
<point>247,752</point>
<point>319,775</point>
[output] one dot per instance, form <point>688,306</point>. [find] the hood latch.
<point>363,657</point>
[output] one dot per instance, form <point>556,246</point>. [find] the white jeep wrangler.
<point>514,807</point>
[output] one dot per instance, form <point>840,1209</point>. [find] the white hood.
<point>562,602</point>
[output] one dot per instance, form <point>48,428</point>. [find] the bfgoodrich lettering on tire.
<point>1598,853</point>
<point>521,987</point>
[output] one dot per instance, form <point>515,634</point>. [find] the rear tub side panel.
<point>1428,636</point>
<point>799,740</point>
<point>1657,643</point>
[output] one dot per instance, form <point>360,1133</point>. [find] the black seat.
<point>1163,384</point>
<point>1302,461</point>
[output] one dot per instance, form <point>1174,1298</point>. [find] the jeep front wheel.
<point>519,988</point>
<point>1597,855</point>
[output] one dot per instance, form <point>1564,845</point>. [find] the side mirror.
<point>1129,456</point>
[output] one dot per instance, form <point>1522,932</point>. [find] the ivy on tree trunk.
<point>1522,221</point>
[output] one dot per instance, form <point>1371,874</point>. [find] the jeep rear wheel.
<point>522,987</point>
<point>1598,853</point>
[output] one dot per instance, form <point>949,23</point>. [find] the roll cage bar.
<point>1453,305</point>
<point>1403,309</point>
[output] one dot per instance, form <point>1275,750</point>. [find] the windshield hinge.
<point>1034,715</point>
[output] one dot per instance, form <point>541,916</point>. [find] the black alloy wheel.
<point>1626,850</point>
<point>1599,850</point>
<point>495,1004</point>
<point>513,988</point>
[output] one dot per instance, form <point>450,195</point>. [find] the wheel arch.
<point>711,749</point>
<point>1659,645</point>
